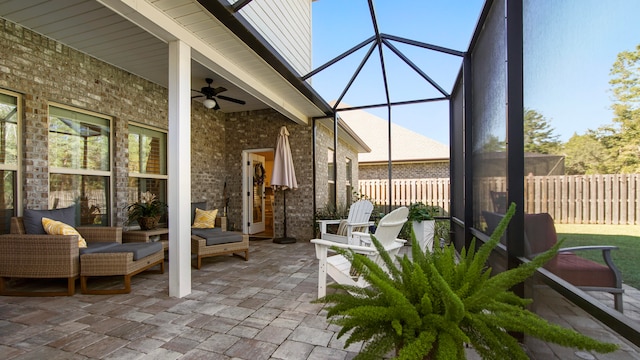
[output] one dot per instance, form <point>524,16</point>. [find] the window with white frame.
<point>80,163</point>
<point>147,163</point>
<point>331,179</point>
<point>9,153</point>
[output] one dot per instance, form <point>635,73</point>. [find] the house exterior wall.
<point>45,71</point>
<point>260,130</point>
<point>405,171</point>
<point>207,156</point>
<point>286,25</point>
<point>324,141</point>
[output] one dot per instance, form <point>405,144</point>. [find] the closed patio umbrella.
<point>283,177</point>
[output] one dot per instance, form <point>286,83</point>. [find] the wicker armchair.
<point>46,256</point>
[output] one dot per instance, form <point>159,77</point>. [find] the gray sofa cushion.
<point>33,218</point>
<point>139,250</point>
<point>205,233</point>
<point>216,236</point>
<point>229,237</point>
<point>97,247</point>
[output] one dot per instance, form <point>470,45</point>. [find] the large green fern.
<point>430,306</point>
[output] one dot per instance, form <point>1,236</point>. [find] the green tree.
<point>614,148</point>
<point>586,154</point>
<point>624,140</point>
<point>539,136</point>
<point>494,144</point>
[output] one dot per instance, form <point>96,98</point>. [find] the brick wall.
<point>44,71</point>
<point>406,171</point>
<point>207,156</point>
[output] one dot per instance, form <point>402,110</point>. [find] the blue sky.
<point>568,84</point>
<point>338,25</point>
<point>568,57</point>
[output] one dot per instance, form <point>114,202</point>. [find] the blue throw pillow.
<point>33,218</point>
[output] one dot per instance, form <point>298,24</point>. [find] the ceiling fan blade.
<point>241,102</point>
<point>197,96</point>
<point>219,89</point>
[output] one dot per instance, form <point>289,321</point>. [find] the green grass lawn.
<point>626,237</point>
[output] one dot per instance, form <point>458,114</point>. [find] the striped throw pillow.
<point>205,219</point>
<point>53,227</point>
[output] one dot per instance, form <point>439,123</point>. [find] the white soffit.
<point>218,49</point>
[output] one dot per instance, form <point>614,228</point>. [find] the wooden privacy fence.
<point>570,199</point>
<point>434,192</point>
<point>585,199</point>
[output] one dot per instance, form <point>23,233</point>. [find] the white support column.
<point>179,185</point>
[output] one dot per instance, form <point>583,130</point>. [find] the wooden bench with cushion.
<point>588,275</point>
<point>216,241</point>
<point>540,235</point>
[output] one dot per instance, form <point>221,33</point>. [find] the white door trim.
<point>246,185</point>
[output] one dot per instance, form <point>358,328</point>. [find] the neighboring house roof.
<point>406,145</point>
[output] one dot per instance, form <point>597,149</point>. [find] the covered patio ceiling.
<point>134,36</point>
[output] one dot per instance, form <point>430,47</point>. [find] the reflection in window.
<point>80,163</point>
<point>258,192</point>
<point>331,182</point>
<point>8,158</point>
<point>78,140</point>
<point>349,178</point>
<point>147,151</point>
<point>147,163</point>
<point>90,192</point>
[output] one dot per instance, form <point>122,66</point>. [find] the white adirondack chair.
<point>358,220</point>
<point>338,267</point>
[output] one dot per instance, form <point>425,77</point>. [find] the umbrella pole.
<point>285,239</point>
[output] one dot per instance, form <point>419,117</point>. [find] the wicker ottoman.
<point>123,259</point>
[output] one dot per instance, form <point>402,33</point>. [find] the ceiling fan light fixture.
<point>209,103</point>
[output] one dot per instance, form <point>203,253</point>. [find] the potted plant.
<point>147,211</point>
<point>431,306</point>
<point>423,224</point>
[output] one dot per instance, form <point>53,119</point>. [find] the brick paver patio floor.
<point>259,309</point>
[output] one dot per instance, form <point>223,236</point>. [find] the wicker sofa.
<point>25,255</point>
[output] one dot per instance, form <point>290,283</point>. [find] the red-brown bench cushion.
<point>582,272</point>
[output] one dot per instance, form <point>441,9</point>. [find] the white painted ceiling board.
<point>88,26</point>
